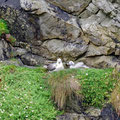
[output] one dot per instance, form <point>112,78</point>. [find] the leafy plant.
<point>10,38</point>
<point>96,85</point>
<point>4,31</point>
<point>3,27</point>
<point>24,94</point>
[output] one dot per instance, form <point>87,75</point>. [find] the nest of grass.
<point>115,98</point>
<point>63,85</point>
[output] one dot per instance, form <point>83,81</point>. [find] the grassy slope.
<point>97,85</point>
<point>24,95</point>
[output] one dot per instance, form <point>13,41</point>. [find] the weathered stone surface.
<point>63,49</point>
<point>101,61</point>
<point>92,8</point>
<point>54,22</point>
<point>73,116</point>
<point>117,52</point>
<point>22,26</point>
<point>93,111</point>
<point>107,113</point>
<point>96,51</point>
<point>16,62</point>
<point>5,50</point>
<point>67,29</point>
<point>32,60</point>
<point>11,3</point>
<point>85,14</point>
<point>19,52</point>
<point>70,6</point>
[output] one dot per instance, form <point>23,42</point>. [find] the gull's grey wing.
<point>51,67</point>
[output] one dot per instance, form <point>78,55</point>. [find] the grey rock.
<point>52,27</point>
<point>117,52</point>
<point>32,60</point>
<point>96,41</point>
<point>73,116</point>
<point>96,51</point>
<point>85,14</point>
<point>19,51</point>
<point>70,6</point>
<point>65,50</point>
<point>109,113</point>
<point>92,8</point>
<point>101,61</point>
<point>5,50</point>
<point>12,3</point>
<point>16,62</point>
<point>53,21</point>
<point>93,111</point>
<point>61,28</point>
<point>22,26</point>
<point>104,5</point>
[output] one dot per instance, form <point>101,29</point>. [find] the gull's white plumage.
<point>55,66</point>
<point>77,65</point>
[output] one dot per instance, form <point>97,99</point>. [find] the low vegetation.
<point>24,94</point>
<point>3,27</point>
<point>97,85</point>
<point>115,96</point>
<point>4,32</point>
<point>63,85</point>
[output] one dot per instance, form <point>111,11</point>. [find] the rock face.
<point>5,50</point>
<point>82,30</point>
<point>107,113</point>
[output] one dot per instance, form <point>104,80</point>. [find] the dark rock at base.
<point>32,60</point>
<point>11,3</point>
<point>108,113</point>
<point>74,104</point>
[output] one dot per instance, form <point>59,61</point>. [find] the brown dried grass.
<point>63,86</point>
<point>115,96</point>
<point>115,99</point>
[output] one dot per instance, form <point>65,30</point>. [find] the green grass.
<point>3,27</point>
<point>24,95</point>
<point>97,85</point>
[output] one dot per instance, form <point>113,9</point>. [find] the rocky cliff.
<point>78,30</point>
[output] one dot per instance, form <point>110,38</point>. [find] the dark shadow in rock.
<point>108,113</point>
<point>74,104</point>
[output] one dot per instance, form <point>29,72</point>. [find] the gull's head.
<point>71,63</point>
<point>59,61</point>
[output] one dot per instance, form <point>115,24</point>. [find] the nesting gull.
<point>55,66</point>
<point>77,65</point>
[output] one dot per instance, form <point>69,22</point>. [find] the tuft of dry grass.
<point>115,96</point>
<point>115,99</point>
<point>115,73</point>
<point>63,85</point>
